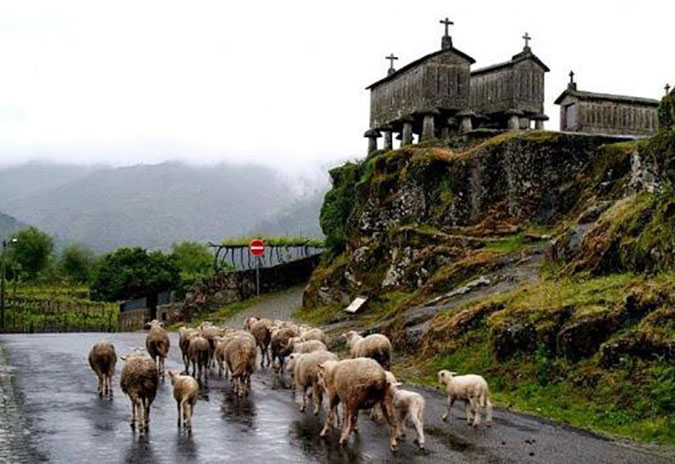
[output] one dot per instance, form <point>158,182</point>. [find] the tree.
<point>134,273</point>
<point>76,263</point>
<point>193,259</point>
<point>32,250</point>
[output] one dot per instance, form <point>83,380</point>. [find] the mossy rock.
<point>582,337</point>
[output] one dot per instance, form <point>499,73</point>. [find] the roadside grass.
<point>223,314</point>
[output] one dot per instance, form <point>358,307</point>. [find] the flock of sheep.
<point>361,382</point>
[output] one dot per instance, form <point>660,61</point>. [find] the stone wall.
<point>134,319</point>
<point>226,288</point>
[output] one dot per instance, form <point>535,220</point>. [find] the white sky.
<point>278,82</point>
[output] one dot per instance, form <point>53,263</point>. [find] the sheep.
<point>375,346</point>
<point>157,344</point>
<point>221,344</point>
<point>210,332</point>
<point>102,359</point>
<point>259,328</point>
<point>313,334</point>
<point>473,389</point>
<point>240,355</point>
<point>298,346</point>
<point>279,344</point>
<point>407,406</point>
<point>305,368</point>
<point>184,335</point>
<point>139,380</point>
<point>198,353</point>
<point>185,391</point>
<point>359,383</point>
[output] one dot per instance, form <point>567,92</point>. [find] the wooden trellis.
<point>237,257</point>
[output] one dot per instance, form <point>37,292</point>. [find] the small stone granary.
<point>599,113</point>
<point>438,94</point>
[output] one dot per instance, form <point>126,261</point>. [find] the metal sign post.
<point>257,249</point>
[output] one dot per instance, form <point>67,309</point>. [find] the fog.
<point>277,83</point>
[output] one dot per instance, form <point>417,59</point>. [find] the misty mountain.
<point>34,177</point>
<point>147,205</point>
<point>300,218</point>
<point>9,225</point>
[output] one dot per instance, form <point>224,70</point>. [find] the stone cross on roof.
<point>447,24</point>
<point>571,77</point>
<point>527,40</point>
<point>391,59</point>
<point>667,87</point>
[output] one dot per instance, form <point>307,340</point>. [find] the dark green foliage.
<point>192,258</point>
<point>133,273</point>
<point>338,205</point>
<point>31,251</point>
<point>76,263</point>
<point>667,111</point>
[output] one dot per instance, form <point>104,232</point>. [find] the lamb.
<point>260,329</point>
<point>279,344</point>
<point>305,368</point>
<point>157,344</point>
<point>139,380</point>
<point>102,359</point>
<point>185,391</point>
<point>198,353</point>
<point>298,346</point>
<point>240,355</point>
<point>359,383</point>
<point>407,406</point>
<point>184,335</point>
<point>375,346</point>
<point>473,389</point>
<point>313,334</point>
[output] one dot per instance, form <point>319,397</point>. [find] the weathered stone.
<point>510,338</point>
<point>582,338</point>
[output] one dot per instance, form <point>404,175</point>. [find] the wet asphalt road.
<point>65,421</point>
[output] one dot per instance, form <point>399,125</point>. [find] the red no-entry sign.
<point>257,247</point>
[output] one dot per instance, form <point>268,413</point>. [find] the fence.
<point>31,315</point>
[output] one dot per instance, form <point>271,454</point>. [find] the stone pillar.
<point>466,120</point>
<point>388,139</point>
<point>372,135</point>
<point>428,127</point>
<point>407,133</point>
<point>539,121</point>
<point>513,123</point>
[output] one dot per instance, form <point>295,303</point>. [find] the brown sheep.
<point>139,380</point>
<point>280,347</point>
<point>221,343</point>
<point>375,346</point>
<point>260,329</point>
<point>157,343</point>
<point>184,335</point>
<point>185,391</point>
<point>305,368</point>
<point>359,383</point>
<point>198,352</point>
<point>102,359</point>
<point>240,355</point>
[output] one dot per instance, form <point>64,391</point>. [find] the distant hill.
<point>9,225</point>
<point>300,218</point>
<point>145,205</point>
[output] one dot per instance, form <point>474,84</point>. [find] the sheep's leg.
<point>188,414</point>
<point>133,414</point>
<point>388,412</point>
<point>488,412</point>
<point>99,384</point>
<point>418,420</point>
<point>180,413</point>
<point>451,401</point>
<point>348,423</point>
<point>467,408</point>
<point>303,402</point>
<point>317,394</point>
<point>332,408</point>
<point>146,413</point>
<point>473,401</point>
<point>398,420</point>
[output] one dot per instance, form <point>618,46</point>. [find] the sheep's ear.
<point>398,384</point>
<point>453,373</point>
<point>320,365</point>
<point>123,358</point>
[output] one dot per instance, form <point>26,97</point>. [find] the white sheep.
<point>185,392</point>
<point>408,407</point>
<point>375,346</point>
<point>305,369</point>
<point>473,390</point>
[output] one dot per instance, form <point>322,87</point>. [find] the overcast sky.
<point>278,82</point>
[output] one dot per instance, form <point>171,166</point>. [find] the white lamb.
<point>408,407</point>
<point>473,390</point>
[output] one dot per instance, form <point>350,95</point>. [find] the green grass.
<point>318,316</point>
<point>508,244</point>
<point>274,241</point>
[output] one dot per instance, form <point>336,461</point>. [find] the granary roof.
<point>419,61</point>
<point>583,95</point>
<point>524,55</point>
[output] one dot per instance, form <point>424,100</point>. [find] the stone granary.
<point>438,94</point>
<point>600,113</point>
